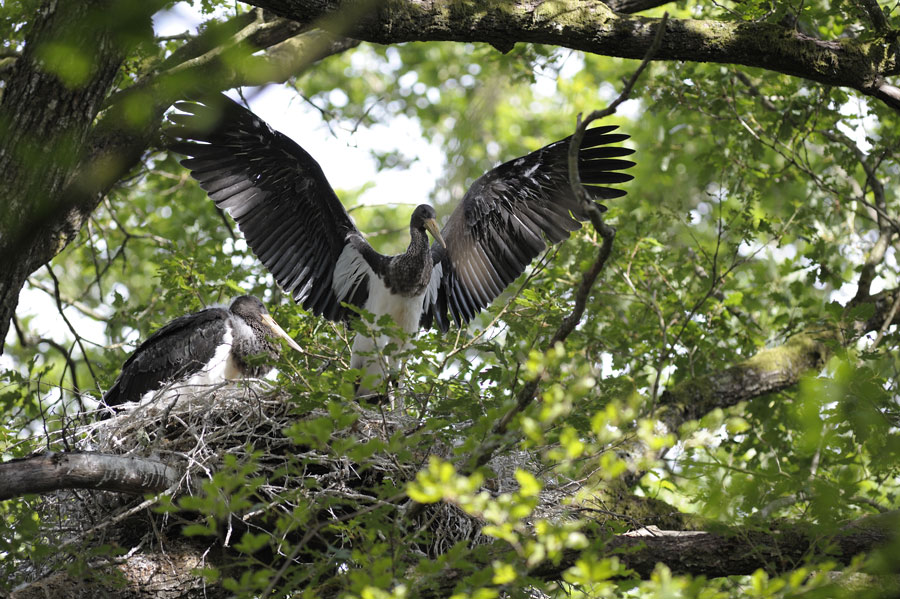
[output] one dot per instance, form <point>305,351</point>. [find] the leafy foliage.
<point>756,208</point>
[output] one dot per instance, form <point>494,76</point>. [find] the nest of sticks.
<point>195,429</point>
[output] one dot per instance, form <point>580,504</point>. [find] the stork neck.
<point>418,241</point>
<point>259,342</point>
<point>410,272</point>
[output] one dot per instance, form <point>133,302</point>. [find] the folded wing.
<point>179,349</point>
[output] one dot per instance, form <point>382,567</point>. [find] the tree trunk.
<point>49,102</point>
<point>58,160</point>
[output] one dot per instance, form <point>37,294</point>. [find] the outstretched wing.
<point>279,196</point>
<point>177,350</point>
<point>500,225</point>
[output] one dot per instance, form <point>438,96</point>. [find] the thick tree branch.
<point>772,369</point>
<point>875,15</point>
<point>732,552</point>
<point>55,471</point>
<point>250,27</point>
<point>885,314</point>
<point>769,371</point>
<point>594,27</point>
<point>741,550</point>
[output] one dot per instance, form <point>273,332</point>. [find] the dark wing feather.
<point>277,193</point>
<point>500,225</point>
<point>176,351</point>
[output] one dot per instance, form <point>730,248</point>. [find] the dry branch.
<point>82,470</point>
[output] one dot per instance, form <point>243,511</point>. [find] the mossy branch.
<point>593,27</point>
<point>772,369</point>
<point>768,371</point>
<point>728,551</point>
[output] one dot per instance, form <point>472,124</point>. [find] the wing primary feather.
<point>466,298</point>
<point>501,224</point>
<point>604,164</point>
<point>476,282</point>
<point>275,191</point>
<point>490,275</point>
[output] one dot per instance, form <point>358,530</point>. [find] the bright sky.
<point>345,157</point>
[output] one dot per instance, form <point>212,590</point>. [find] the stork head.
<point>423,217</point>
<point>250,308</point>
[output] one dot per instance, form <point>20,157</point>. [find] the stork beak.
<point>280,332</point>
<point>432,226</point>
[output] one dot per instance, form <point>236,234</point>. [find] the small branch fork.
<point>527,393</point>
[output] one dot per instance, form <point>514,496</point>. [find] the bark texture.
<point>769,371</point>
<point>738,551</point>
<point>55,471</point>
<point>712,554</point>
<point>772,369</point>
<point>593,27</point>
<point>46,111</point>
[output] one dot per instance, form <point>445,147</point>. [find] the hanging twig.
<point>60,308</point>
<point>527,393</point>
<point>80,306</point>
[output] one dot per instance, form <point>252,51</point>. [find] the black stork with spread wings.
<point>294,222</point>
<point>206,347</point>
